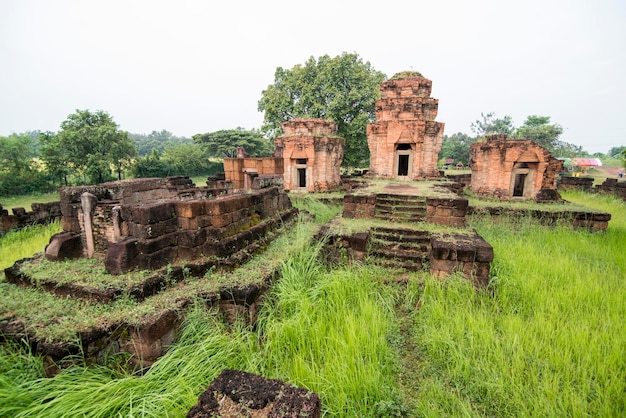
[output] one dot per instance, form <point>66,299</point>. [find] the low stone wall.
<point>448,212</point>
<point>575,183</point>
<point>359,206</point>
<point>612,186</point>
<point>591,221</point>
<point>41,214</point>
<point>159,233</point>
<point>469,255</point>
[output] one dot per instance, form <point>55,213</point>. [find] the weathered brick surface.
<point>497,164</point>
<point>311,145</point>
<point>129,232</point>
<point>405,126</point>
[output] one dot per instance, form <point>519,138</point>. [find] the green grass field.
<point>547,338</point>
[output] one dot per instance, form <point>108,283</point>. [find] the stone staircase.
<point>400,208</point>
<point>400,248</point>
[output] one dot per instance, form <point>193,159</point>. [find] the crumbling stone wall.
<point>242,172</point>
<point>612,186</point>
<point>509,169</point>
<point>575,183</point>
<point>312,154</point>
<point>129,233</point>
<point>405,140</point>
<point>41,214</point>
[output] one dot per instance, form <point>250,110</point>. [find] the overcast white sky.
<point>200,66</point>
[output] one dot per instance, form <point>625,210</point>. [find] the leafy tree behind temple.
<point>488,124</point>
<point>539,130</point>
<point>19,171</point>
<point>158,140</point>
<point>224,143</point>
<point>92,144</point>
<point>457,147</point>
<point>343,89</point>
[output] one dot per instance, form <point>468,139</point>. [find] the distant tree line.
<point>90,148</point>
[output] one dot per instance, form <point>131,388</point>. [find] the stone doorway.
<point>522,178</point>
<point>300,178</point>
<point>404,160</point>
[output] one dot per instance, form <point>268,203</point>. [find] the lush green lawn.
<point>548,338</point>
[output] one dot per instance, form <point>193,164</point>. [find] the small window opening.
<point>301,161</point>
<point>403,147</point>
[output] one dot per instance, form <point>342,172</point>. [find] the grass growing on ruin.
<point>25,242</point>
<point>320,331</point>
<point>85,271</point>
<point>547,339</point>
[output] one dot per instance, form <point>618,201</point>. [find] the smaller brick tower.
<point>405,140</point>
<point>312,153</point>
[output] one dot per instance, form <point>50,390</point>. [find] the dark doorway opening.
<point>403,165</point>
<point>518,187</point>
<point>302,177</point>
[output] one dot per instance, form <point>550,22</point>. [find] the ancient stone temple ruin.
<point>405,140</point>
<point>513,169</point>
<point>312,154</point>
<point>307,157</point>
<point>148,223</point>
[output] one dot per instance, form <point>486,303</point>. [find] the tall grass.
<point>324,331</point>
<point>548,339</point>
<point>25,242</point>
<point>169,388</point>
<point>328,332</point>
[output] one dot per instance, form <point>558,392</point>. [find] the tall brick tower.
<point>405,140</point>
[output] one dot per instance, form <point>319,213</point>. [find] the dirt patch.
<point>239,394</point>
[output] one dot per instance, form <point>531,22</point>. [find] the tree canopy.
<point>224,143</point>
<point>539,130</point>
<point>19,171</point>
<point>343,89</point>
<point>158,140</point>
<point>456,146</point>
<point>488,124</point>
<point>90,144</point>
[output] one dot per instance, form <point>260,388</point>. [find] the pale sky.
<point>200,66</point>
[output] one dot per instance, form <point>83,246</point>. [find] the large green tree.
<point>19,173</point>
<point>158,140</point>
<point>541,131</point>
<point>488,124</point>
<point>54,156</point>
<point>456,146</point>
<point>343,89</point>
<point>224,143</point>
<point>93,145</point>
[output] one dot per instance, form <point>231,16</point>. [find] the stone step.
<point>395,264</point>
<point>399,217</point>
<point>422,246</point>
<point>401,208</point>
<point>399,197</point>
<point>401,235</point>
<point>401,255</point>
